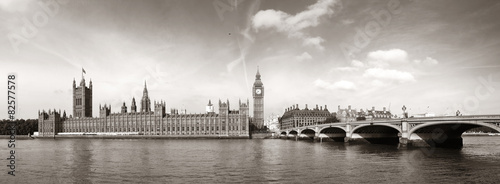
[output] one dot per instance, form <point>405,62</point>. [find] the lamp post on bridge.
<point>405,114</point>
<point>403,140</point>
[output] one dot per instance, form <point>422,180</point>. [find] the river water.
<point>247,161</point>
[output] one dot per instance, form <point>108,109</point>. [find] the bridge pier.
<point>403,142</point>
<point>403,137</point>
<point>346,139</point>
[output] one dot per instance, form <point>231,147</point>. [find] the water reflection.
<point>252,161</point>
<point>81,161</point>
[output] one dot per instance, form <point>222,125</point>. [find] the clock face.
<point>258,91</point>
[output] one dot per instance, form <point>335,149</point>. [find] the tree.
<point>331,119</point>
<point>23,127</point>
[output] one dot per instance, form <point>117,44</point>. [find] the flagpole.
<point>83,71</point>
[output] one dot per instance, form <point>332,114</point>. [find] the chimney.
<point>317,107</point>
<point>297,105</point>
<point>349,107</point>
<point>384,109</point>
<point>373,108</point>
<point>321,107</point>
<point>306,106</point>
<point>339,107</point>
<point>325,107</point>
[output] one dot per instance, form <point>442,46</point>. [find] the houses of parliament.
<point>151,119</point>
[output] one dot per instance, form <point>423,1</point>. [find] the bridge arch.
<point>293,132</point>
<point>460,125</point>
<point>332,128</point>
<point>376,134</point>
<point>397,128</point>
<point>444,133</point>
<point>337,134</point>
<point>307,133</point>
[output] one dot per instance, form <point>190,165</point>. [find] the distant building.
<point>378,114</point>
<point>295,117</point>
<point>227,123</point>
<point>272,122</point>
<point>424,115</point>
<point>346,115</point>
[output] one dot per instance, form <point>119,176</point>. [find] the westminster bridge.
<point>444,131</point>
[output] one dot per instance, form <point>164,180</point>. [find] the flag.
<point>83,71</point>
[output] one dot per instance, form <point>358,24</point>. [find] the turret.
<point>145,102</point>
<point>160,109</point>
<point>124,108</point>
<point>133,107</point>
<point>210,107</point>
<point>104,111</point>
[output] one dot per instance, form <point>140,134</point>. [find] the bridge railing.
<point>396,120</point>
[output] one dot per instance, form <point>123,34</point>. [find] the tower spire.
<point>257,76</point>
<point>145,102</point>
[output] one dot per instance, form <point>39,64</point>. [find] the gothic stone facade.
<point>227,123</point>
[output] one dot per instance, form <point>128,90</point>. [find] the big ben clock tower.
<point>258,101</point>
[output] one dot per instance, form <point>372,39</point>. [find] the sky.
<point>430,56</point>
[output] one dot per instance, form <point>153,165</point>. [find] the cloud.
<point>378,83</point>
<point>388,74</point>
<point>342,85</point>
<point>346,69</point>
<point>315,42</point>
<point>382,58</point>
<point>269,19</point>
<point>355,65</point>
<point>304,57</point>
<point>294,25</point>
<point>345,85</point>
<point>427,61</point>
